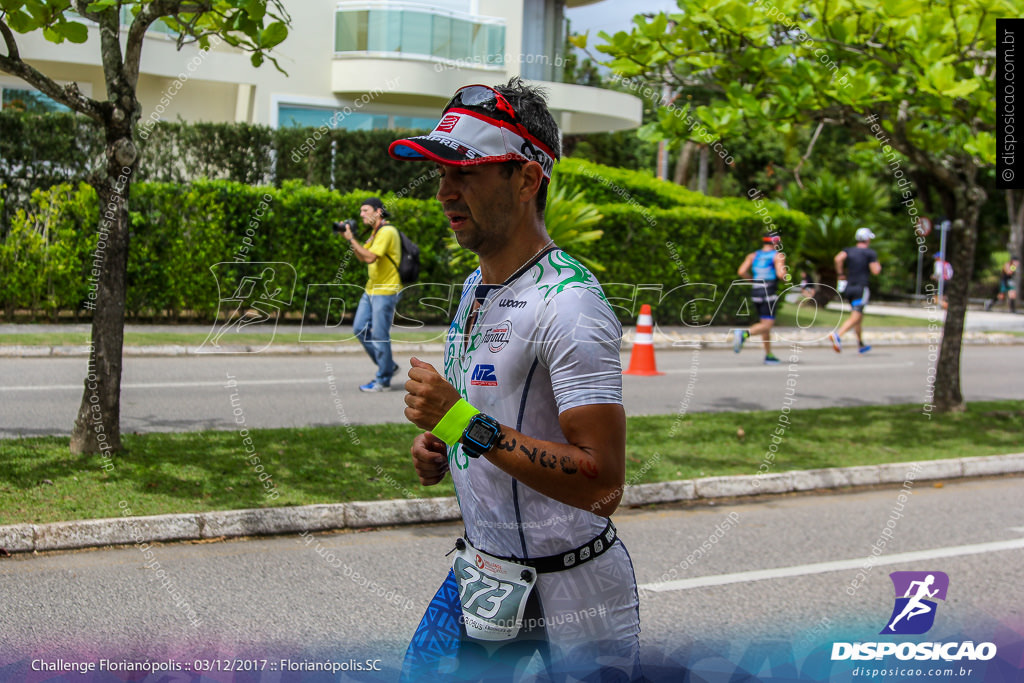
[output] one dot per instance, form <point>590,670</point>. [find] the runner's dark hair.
<point>531,107</point>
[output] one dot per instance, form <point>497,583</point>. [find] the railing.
<point>412,30</point>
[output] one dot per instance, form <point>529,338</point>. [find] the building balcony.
<point>416,56</point>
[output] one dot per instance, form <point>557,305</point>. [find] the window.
<point>415,122</point>
<point>33,101</point>
<point>294,116</point>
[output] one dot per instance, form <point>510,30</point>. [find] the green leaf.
<point>74,31</point>
<point>578,40</point>
<point>21,22</point>
<point>101,5</point>
<point>273,35</point>
<point>256,9</point>
<point>256,59</point>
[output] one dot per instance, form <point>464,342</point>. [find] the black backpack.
<point>409,265</point>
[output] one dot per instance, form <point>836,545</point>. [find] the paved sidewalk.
<point>357,515</point>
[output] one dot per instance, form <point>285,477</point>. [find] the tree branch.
<point>81,7</point>
<point>12,44</point>
<point>110,52</point>
<point>137,34</point>
<point>68,95</point>
<point>864,53</point>
<point>807,154</point>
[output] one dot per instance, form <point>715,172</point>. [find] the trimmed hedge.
<point>39,151</point>
<point>180,231</point>
<point>682,260</point>
<point>655,234</point>
<point>660,234</point>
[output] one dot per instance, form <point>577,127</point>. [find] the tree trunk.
<point>963,237</point>
<point>825,289</point>
<point>702,172</point>
<point>718,177</point>
<point>98,424</point>
<point>682,174</point>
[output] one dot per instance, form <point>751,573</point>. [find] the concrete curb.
<point>662,340</point>
<point>284,520</point>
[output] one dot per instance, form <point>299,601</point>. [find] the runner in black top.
<point>860,263</point>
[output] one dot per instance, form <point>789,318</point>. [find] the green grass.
<point>283,335</point>
<point>201,471</point>
<point>790,315</point>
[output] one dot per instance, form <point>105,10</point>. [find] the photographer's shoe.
<point>373,387</point>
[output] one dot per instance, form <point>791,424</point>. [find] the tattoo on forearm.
<point>566,463</point>
<point>589,469</point>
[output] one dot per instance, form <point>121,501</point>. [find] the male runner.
<point>527,417</point>
<point>768,266</point>
<point>854,266</point>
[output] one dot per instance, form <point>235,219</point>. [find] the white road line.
<point>803,368</point>
<point>838,565</point>
<point>265,382</point>
<point>171,385</point>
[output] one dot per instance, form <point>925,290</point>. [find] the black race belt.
<point>595,547</point>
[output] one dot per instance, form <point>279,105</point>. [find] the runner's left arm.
<point>587,473</point>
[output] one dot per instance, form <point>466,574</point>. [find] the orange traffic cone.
<point>641,361</point>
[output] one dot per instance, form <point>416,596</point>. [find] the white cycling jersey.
<point>543,342</point>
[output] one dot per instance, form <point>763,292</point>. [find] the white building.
<point>391,64</point>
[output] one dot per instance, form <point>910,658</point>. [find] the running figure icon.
<point>915,607</point>
<point>916,602</point>
<point>259,292</point>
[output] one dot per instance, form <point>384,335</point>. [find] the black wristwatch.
<point>480,435</point>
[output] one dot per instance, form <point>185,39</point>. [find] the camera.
<point>339,226</point>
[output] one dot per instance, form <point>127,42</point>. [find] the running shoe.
<point>771,359</point>
<point>738,337</point>
<point>836,344</point>
<point>864,348</point>
<point>373,387</point>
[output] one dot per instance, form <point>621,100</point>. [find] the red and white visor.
<point>464,138</point>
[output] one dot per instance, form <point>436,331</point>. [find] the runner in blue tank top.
<point>526,415</point>
<point>767,266</point>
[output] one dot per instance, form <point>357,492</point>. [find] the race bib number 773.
<point>493,593</point>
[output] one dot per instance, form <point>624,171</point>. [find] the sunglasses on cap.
<point>486,98</point>
<point>478,125</point>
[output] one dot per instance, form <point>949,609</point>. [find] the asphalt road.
<point>40,396</point>
<point>762,586</point>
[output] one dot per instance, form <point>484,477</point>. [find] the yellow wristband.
<point>454,422</point>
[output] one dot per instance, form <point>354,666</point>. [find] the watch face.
<point>480,432</point>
